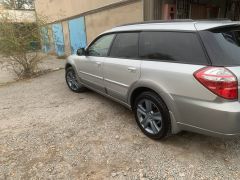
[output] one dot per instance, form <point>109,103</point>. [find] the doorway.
<point>77,34</point>
<point>58,38</point>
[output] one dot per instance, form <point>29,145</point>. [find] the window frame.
<point>208,60</point>
<point>138,45</point>
<point>96,39</point>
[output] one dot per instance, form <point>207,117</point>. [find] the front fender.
<point>71,61</point>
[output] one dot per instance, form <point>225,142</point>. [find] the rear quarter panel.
<point>179,89</point>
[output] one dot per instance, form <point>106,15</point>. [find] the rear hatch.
<point>223,47</point>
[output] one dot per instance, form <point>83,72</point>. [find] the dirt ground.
<point>48,63</point>
<point>49,132</point>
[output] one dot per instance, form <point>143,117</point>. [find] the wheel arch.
<point>141,87</point>
<point>148,85</point>
<point>136,92</point>
<point>68,65</point>
<point>71,62</point>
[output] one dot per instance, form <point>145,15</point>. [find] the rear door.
<point>122,67</point>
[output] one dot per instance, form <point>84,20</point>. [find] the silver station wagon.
<point>175,76</point>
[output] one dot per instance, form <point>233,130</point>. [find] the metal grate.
<point>237,11</point>
<point>183,9</point>
<point>157,10</point>
<point>152,9</point>
<point>147,8</point>
<point>233,10</point>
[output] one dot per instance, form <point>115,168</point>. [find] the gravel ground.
<point>48,132</point>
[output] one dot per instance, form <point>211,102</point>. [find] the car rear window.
<point>223,45</point>
<point>180,47</point>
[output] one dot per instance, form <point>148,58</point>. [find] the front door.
<point>90,66</point>
<point>122,68</point>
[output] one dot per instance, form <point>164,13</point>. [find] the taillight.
<point>219,80</point>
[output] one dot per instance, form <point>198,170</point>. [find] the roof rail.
<point>159,21</point>
<point>214,19</point>
<point>174,20</point>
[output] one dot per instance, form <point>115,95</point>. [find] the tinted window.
<point>223,46</point>
<point>172,46</point>
<point>101,46</point>
<point>125,45</point>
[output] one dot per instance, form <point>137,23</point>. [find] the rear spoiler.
<point>226,27</point>
<point>217,25</point>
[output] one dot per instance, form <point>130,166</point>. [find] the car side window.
<point>125,45</point>
<point>101,47</point>
<point>172,46</point>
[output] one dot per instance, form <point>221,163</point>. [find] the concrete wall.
<point>60,9</point>
<point>100,15</point>
<point>101,21</point>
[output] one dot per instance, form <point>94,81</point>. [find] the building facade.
<point>18,16</point>
<point>75,23</point>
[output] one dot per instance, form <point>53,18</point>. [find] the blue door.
<point>77,34</point>
<point>58,38</point>
<point>45,40</point>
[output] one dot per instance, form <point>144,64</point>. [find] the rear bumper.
<point>212,118</point>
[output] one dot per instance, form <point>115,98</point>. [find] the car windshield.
<point>223,45</point>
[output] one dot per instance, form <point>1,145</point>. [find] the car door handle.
<point>132,69</point>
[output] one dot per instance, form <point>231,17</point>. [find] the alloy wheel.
<point>72,80</point>
<point>149,116</point>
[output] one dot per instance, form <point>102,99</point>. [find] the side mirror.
<point>81,52</point>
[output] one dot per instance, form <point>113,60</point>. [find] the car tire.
<point>152,115</point>
<point>72,82</point>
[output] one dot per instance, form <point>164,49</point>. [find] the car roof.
<point>176,25</point>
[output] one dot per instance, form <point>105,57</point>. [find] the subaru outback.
<point>175,76</point>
